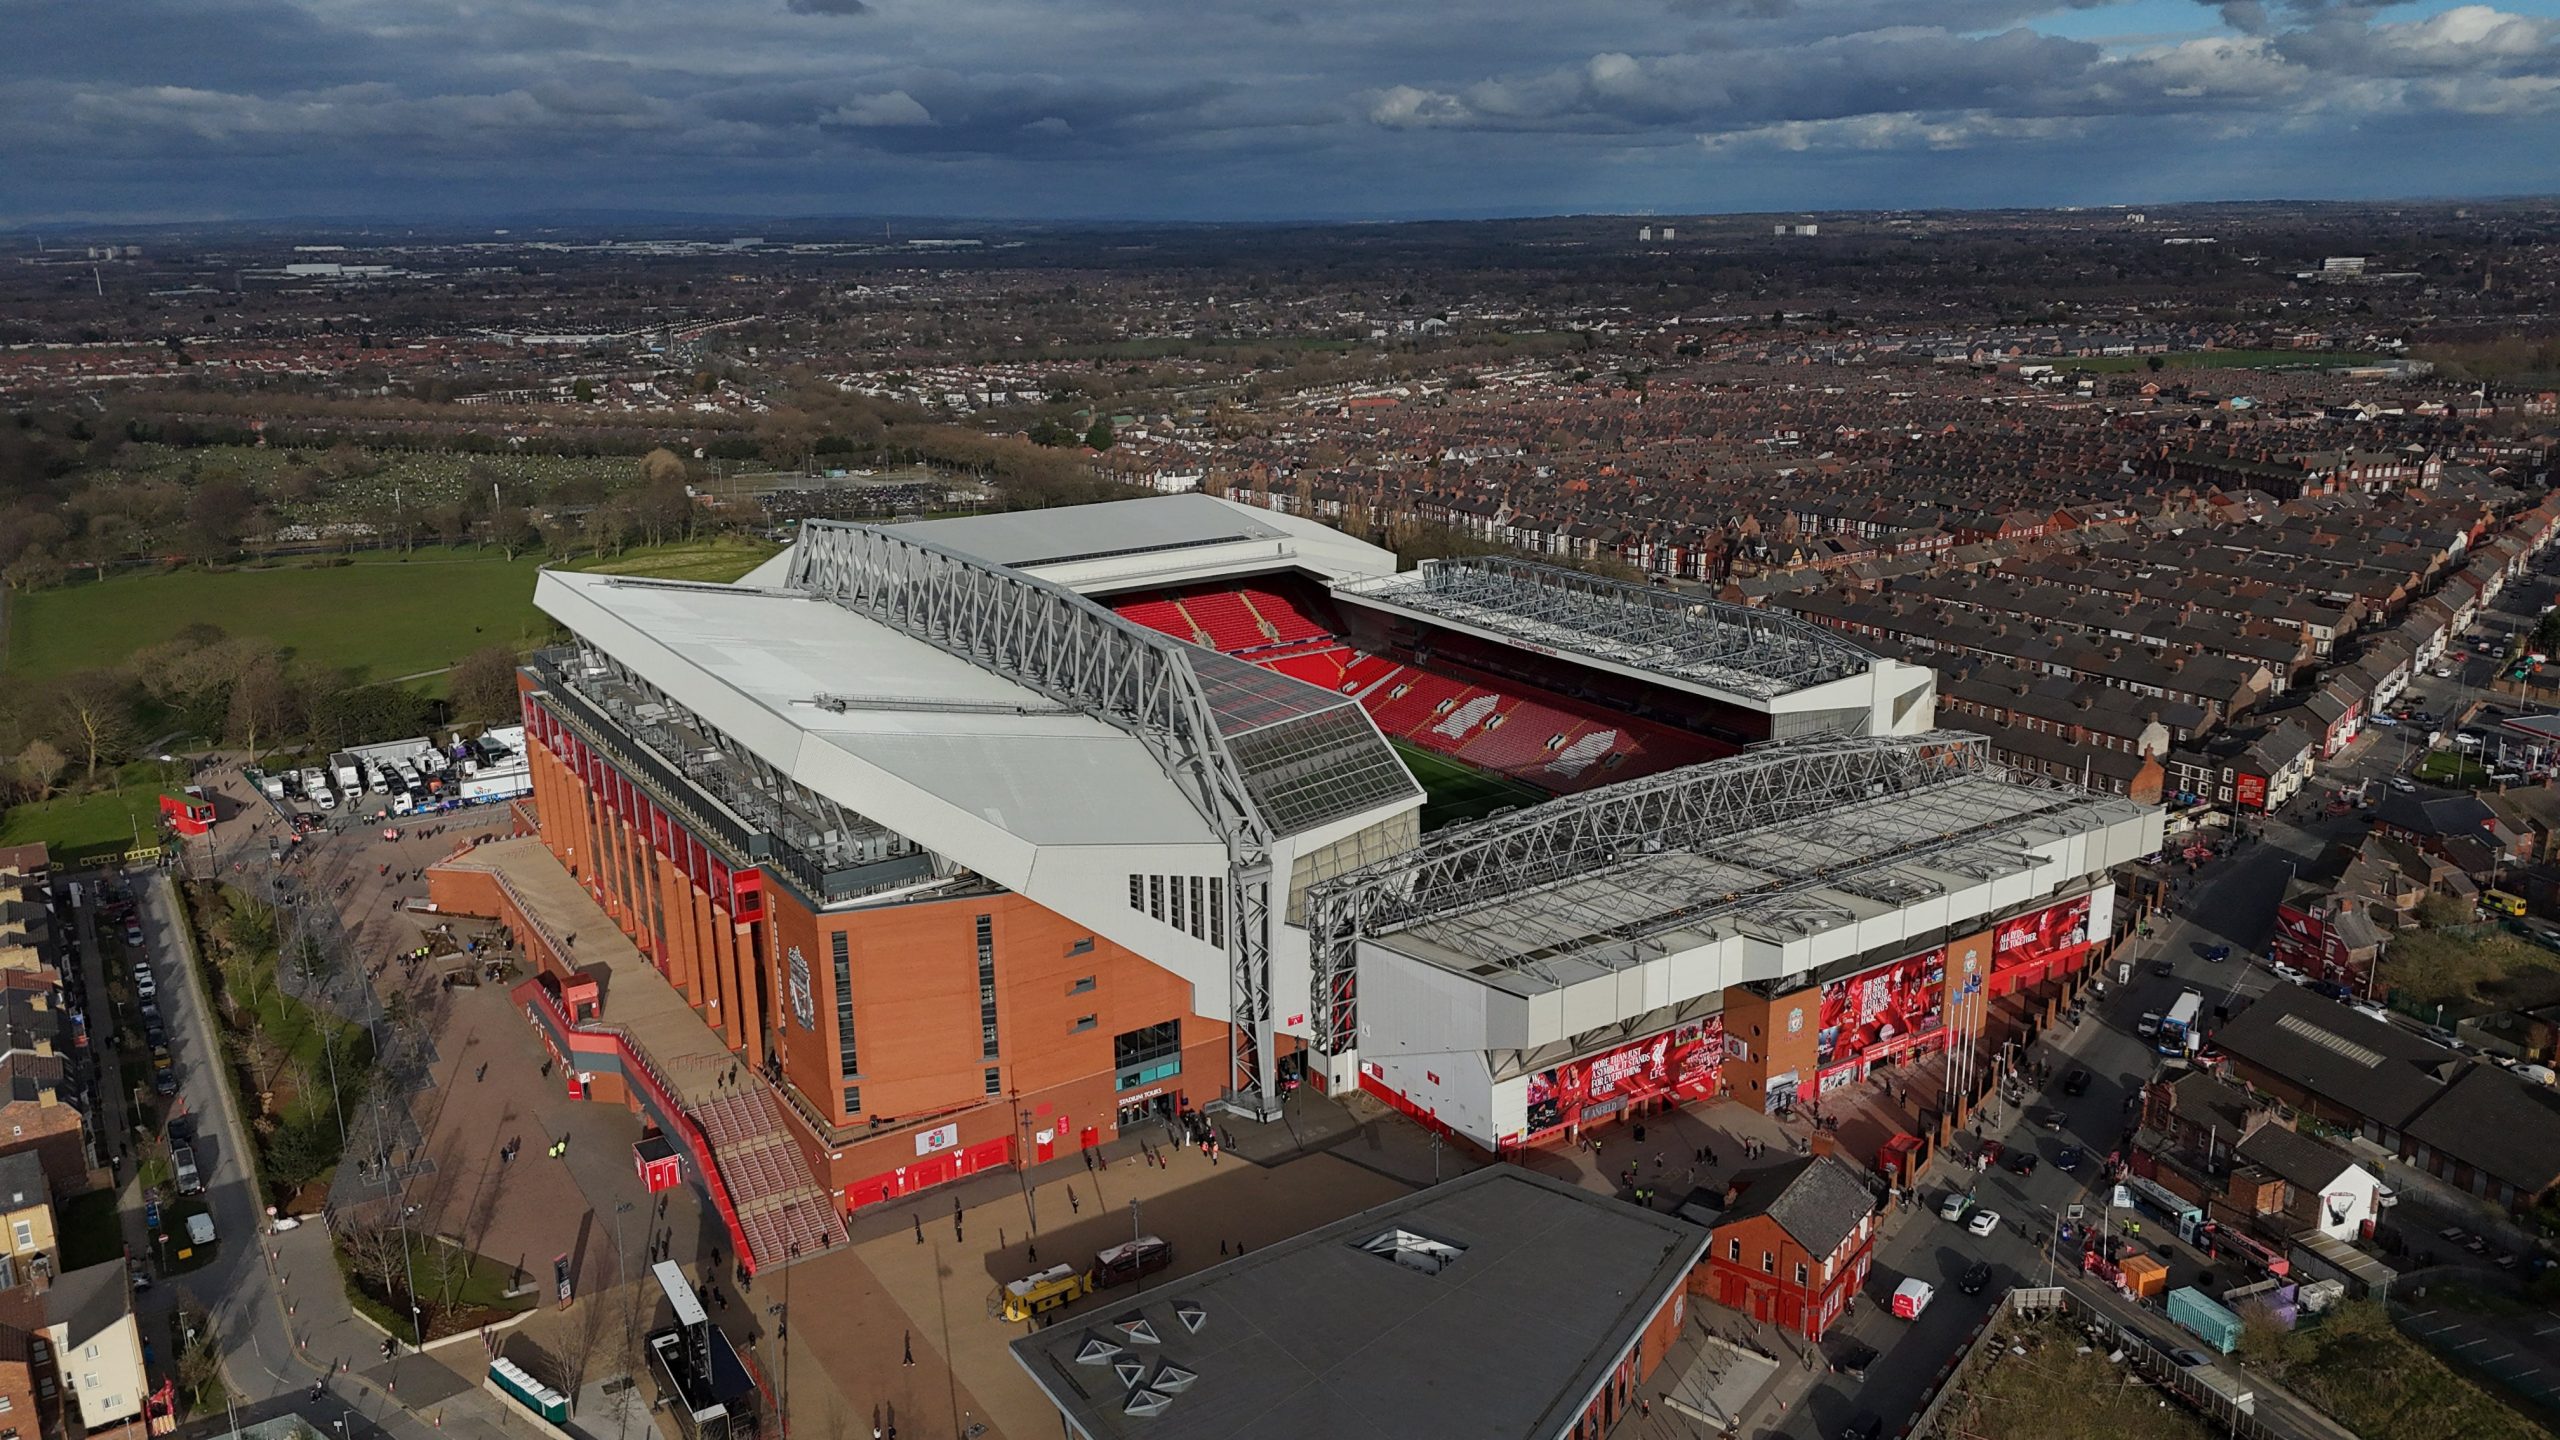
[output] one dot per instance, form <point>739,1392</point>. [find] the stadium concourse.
<point>974,843</point>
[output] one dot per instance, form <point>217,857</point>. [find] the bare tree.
<point>41,765</point>
<point>94,711</point>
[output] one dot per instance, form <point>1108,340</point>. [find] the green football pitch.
<point>1454,794</point>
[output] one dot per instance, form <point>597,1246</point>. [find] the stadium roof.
<point>1030,539</point>
<point>759,663</point>
<point>1725,647</point>
<point>1781,842</point>
<point>1495,1305</point>
<point>1007,697</point>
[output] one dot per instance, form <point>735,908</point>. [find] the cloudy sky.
<point>1255,109</point>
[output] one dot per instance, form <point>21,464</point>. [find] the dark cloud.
<point>1305,107</point>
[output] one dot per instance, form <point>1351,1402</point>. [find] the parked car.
<point>2076,1083</point>
<point>2217,953</point>
<point>2068,1161</point>
<point>2330,988</point>
<point>1983,1222</point>
<point>133,935</point>
<point>2287,973</point>
<point>1976,1276</point>
<point>2163,967</point>
<point>2148,1025</point>
<point>1956,1206</point>
<point>2022,1163</point>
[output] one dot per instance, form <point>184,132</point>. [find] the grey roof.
<point>2200,1097</point>
<point>1091,532</point>
<point>1818,1201</point>
<point>2497,1124</point>
<point>2294,1156</point>
<point>2435,812</point>
<point>86,1301</point>
<point>2374,1068</point>
<point>22,1182</point>
<point>1316,1335</point>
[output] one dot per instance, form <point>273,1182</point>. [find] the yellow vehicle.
<point>2503,903</point>
<point>1038,1294</point>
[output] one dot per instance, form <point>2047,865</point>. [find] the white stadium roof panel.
<point>1027,539</point>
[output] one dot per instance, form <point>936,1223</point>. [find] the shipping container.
<point>2144,1276</point>
<point>2205,1318</point>
<point>2235,1392</point>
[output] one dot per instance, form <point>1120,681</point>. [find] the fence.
<point>2142,1357</point>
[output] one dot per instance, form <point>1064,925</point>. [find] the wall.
<point>1770,1043</point>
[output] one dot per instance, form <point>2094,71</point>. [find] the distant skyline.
<point>176,110</point>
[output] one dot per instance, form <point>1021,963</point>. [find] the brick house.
<point>1793,1245</point>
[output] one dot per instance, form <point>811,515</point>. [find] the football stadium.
<point>932,848</point>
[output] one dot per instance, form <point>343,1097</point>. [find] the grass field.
<point>385,616</point>
<point>1453,794</point>
<point>106,820</point>
<point>2219,360</point>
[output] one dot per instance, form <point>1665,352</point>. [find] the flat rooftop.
<point>636,996</point>
<point>1782,882</point>
<point>1490,1306</point>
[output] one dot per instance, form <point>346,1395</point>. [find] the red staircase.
<point>782,1209</point>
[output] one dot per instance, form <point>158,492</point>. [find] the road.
<point>2232,902</point>
<point>232,1286</point>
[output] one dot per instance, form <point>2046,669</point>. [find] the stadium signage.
<point>1685,1063</point>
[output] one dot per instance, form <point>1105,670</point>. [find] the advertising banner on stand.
<point>2028,948</point>
<point>1877,1015</point>
<point>1686,1062</point>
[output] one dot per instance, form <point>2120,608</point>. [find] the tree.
<point>93,710</point>
<point>585,391</point>
<point>512,530</point>
<point>2437,911</point>
<point>2271,1345</point>
<point>2157,363</point>
<point>264,704</point>
<point>661,467</point>
<point>1101,436</point>
<point>218,513</point>
<point>483,686</point>
<point>41,766</point>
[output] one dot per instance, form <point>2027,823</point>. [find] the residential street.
<point>2231,902</point>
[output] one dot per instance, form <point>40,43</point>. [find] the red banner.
<point>2250,791</point>
<point>1686,1062</point>
<point>2028,948</point>
<point>1883,1012</point>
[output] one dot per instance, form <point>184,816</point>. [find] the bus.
<point>2503,903</point>
<point>2180,1033</point>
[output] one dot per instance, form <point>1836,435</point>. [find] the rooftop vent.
<point>1414,1252</point>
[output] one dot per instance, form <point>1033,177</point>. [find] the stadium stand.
<point>1487,721</point>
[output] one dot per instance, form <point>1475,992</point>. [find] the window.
<point>1196,927</point>
<point>1083,986</point>
<point>848,1061</point>
<point>1146,1055</point>
<point>88,1352</point>
<point>1801,1276</point>
<point>89,1379</point>
<point>1768,1262</point>
<point>1218,912</point>
<point>1173,916</point>
<point>995,1080</point>
<point>1081,947</point>
<point>987,988</point>
<point>1137,893</point>
<point>1155,896</point>
<point>853,1100</point>
<point>1083,1023</point>
<point>1733,1250</point>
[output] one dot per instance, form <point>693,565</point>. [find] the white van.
<point>2538,1074</point>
